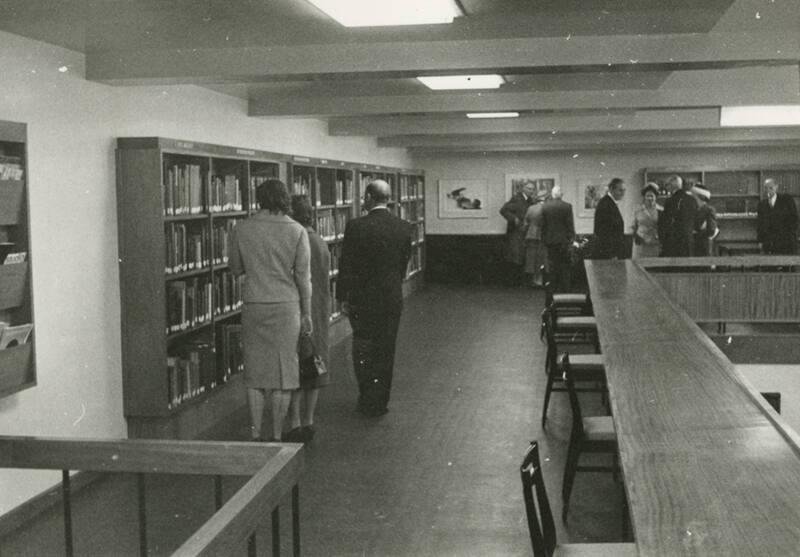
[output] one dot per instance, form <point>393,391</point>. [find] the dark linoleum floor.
<point>438,475</point>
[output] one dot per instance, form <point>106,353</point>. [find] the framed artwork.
<point>589,193</point>
<point>463,199</point>
<point>543,183</point>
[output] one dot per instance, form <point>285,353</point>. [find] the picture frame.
<point>589,193</point>
<point>463,199</point>
<point>543,182</point>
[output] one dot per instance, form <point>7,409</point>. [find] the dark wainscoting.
<point>460,259</point>
<point>473,259</point>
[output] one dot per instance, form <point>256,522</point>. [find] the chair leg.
<point>547,392</point>
<point>570,469</point>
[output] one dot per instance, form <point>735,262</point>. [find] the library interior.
<point>544,238</point>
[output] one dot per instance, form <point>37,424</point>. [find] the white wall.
<point>571,169</point>
<point>72,126</point>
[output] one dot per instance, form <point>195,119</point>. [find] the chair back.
<point>537,507</point>
<point>548,287</point>
<point>574,403</point>
<point>549,336</point>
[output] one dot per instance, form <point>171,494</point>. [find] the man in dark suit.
<point>558,232</point>
<point>777,221</point>
<point>514,211</point>
<point>609,228</point>
<point>375,255</point>
<point>676,223</point>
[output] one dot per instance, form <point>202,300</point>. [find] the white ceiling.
<point>592,73</point>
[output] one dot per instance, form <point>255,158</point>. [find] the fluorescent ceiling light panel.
<point>441,82</point>
<point>376,13</point>
<point>759,116</point>
<point>492,114</point>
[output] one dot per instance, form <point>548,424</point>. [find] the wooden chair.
<point>569,303</point>
<point>587,368</point>
<point>595,434</point>
<point>540,518</point>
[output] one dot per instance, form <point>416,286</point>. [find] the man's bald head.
<point>379,191</point>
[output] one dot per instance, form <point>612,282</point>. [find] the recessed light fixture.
<point>492,114</point>
<point>441,82</point>
<point>377,13</point>
<point>759,116</point>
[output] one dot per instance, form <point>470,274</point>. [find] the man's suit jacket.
<point>516,207</point>
<point>375,255</point>
<point>676,225</point>
<point>558,225</point>
<point>777,226</point>
<point>609,230</point>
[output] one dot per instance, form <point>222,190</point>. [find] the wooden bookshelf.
<point>17,359</point>
<point>735,194</point>
<point>411,205</point>
<point>178,202</point>
<point>331,189</point>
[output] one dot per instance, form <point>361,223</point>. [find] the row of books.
<point>331,224</point>
<point>11,168</point>
<point>410,188</point>
<point>14,335</point>
<point>419,228</point>
<point>336,305</point>
<point>340,194</point>
<point>189,303</point>
<point>301,185</point>
<point>221,240</point>
<point>187,248</point>
<point>192,302</point>
<point>224,194</point>
<point>199,366</point>
<point>183,189</point>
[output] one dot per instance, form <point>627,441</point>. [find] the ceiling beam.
<point>693,118</point>
<point>594,140</point>
<point>783,90</point>
<point>387,59</point>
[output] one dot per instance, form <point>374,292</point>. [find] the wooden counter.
<point>709,468</point>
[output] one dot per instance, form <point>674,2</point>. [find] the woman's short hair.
<point>273,196</point>
<point>301,210</point>
<point>650,187</point>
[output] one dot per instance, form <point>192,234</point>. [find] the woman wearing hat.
<point>645,224</point>
<point>705,224</point>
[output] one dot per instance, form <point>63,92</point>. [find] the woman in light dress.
<point>645,224</point>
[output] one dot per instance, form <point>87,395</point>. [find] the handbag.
<point>311,364</point>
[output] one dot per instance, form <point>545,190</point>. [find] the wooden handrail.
<point>275,470</point>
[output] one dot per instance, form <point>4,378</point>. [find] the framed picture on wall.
<point>463,199</point>
<point>589,193</point>
<point>542,183</point>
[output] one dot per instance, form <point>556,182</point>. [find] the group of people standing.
<point>539,224</point>
<point>286,265</point>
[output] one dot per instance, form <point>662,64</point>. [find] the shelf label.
<point>323,161</point>
<point>301,159</point>
<point>185,145</point>
<point>245,152</point>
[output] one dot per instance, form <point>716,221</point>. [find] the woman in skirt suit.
<point>303,427</point>
<point>273,253</point>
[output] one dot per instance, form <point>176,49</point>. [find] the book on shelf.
<point>230,358</point>
<point>11,168</point>
<point>187,248</point>
<point>225,194</point>
<point>14,335</point>
<point>222,239</point>
<point>191,372</point>
<point>183,189</point>
<point>189,303</point>
<point>15,257</point>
